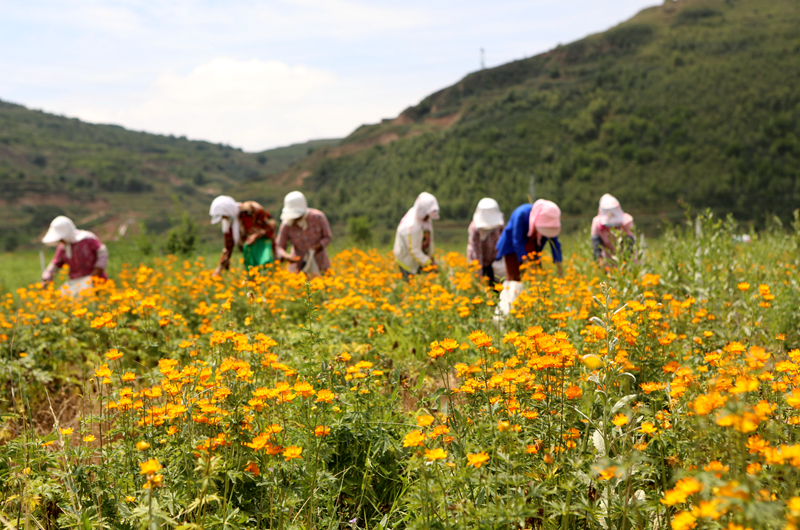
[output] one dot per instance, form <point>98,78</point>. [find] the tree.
<point>360,230</point>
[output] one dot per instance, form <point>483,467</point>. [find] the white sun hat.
<point>488,214</point>
<point>61,229</point>
<point>295,206</point>
<point>610,211</point>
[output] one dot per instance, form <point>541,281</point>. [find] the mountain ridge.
<point>688,104</point>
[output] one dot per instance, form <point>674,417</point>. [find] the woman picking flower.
<point>413,242</point>
<point>246,225</point>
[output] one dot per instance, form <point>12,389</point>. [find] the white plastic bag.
<point>499,268</point>
<point>508,295</point>
<point>75,287</point>
<point>311,268</point>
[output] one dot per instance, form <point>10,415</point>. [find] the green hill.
<point>106,177</point>
<point>691,102</point>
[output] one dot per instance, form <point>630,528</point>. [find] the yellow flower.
<point>424,420</point>
<point>503,426</point>
<point>292,452</point>
<point>476,460</point>
<point>151,467</point>
<point>113,355</point>
<point>413,439</point>
<point>743,286</point>
<point>142,445</point>
<point>648,428</point>
<point>793,399</point>
<point>435,454</point>
<point>88,438</point>
<point>66,432</point>
<point>480,339</point>
<point>449,344</point>
<point>620,420</point>
<point>592,361</point>
<point>684,521</point>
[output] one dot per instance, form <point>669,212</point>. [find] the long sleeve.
<point>519,236</point>
<point>555,248</point>
<point>282,242</point>
<point>475,248</point>
<point>227,252</point>
<point>57,262</point>
<point>102,258</point>
<point>415,247</point>
<point>597,247</point>
<point>49,272</point>
<point>325,228</point>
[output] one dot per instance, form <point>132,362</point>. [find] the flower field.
<point>654,395</point>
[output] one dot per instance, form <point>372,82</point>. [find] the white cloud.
<point>253,104</point>
<point>226,84</point>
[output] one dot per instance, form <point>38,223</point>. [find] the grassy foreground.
<point>661,394</point>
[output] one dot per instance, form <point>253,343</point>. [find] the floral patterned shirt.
<point>317,231</point>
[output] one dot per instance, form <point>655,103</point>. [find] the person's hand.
<point>252,238</point>
<point>216,273</point>
<point>293,259</point>
<point>317,248</point>
<point>97,272</point>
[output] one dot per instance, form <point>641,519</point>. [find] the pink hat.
<point>545,220</point>
<point>610,212</point>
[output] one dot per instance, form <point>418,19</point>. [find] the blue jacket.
<point>515,237</point>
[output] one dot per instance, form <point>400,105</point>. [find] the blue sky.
<point>264,74</point>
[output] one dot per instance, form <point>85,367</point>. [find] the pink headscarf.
<point>544,214</point>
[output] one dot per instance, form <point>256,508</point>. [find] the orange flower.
<point>325,396</point>
<point>608,473</point>
<point>573,392</point>
<point>113,355</point>
<point>304,389</point>
<point>321,431</point>
<point>252,467</point>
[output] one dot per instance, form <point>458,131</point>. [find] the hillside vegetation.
<point>106,176</point>
<point>691,102</point>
